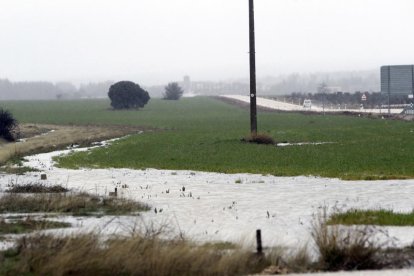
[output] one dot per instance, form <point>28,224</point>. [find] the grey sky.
<point>155,41</point>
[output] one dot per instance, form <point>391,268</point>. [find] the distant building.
<point>186,85</point>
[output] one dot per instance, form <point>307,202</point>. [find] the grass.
<point>15,165</point>
<point>17,170</point>
<point>204,134</point>
<point>28,225</point>
<point>220,246</point>
<point>74,204</point>
<point>373,217</point>
<point>136,255</point>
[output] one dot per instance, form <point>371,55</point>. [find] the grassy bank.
<point>204,134</point>
<point>373,217</point>
<point>72,203</point>
<point>26,225</point>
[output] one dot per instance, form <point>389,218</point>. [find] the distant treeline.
<point>373,99</point>
<point>42,90</point>
<point>46,90</point>
<point>337,81</point>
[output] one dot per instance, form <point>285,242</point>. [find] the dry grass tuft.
<point>259,138</point>
<point>285,261</point>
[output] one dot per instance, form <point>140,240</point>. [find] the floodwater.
<point>223,207</point>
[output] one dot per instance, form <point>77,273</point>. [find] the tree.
<point>126,94</point>
<point>173,91</point>
<point>8,125</point>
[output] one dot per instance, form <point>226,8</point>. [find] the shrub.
<point>173,91</point>
<point>8,125</point>
<point>259,138</point>
<point>126,94</point>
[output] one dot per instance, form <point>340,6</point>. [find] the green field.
<point>204,134</point>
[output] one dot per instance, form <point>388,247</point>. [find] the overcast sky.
<point>156,41</point>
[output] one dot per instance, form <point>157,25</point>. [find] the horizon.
<point>260,79</point>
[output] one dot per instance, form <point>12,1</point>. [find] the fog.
<point>156,41</point>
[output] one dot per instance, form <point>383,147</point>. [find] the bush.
<point>173,91</point>
<point>8,125</point>
<point>126,94</point>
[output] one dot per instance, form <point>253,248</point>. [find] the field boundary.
<point>44,138</point>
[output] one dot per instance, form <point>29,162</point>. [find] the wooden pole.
<point>259,242</point>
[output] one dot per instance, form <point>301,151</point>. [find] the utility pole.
<point>253,108</point>
<point>322,90</point>
<point>412,85</point>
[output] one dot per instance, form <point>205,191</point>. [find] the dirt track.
<point>43,138</point>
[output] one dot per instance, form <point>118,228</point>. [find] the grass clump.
<point>341,249</point>
<point>356,248</point>
<point>259,138</point>
<point>28,225</point>
<point>75,204</point>
<point>136,255</point>
<point>37,188</point>
<point>372,217</point>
